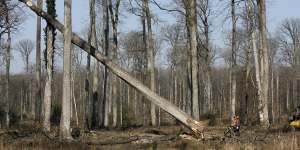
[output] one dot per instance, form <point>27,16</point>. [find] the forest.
<point>148,74</point>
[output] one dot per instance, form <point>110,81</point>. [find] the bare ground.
<point>165,138</point>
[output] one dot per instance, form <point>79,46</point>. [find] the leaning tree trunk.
<point>196,126</point>
<point>66,98</point>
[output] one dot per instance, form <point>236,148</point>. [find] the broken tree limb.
<point>196,126</point>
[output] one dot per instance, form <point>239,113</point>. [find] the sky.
<point>277,10</point>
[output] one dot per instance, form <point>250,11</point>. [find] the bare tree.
<point>38,94</point>
<point>66,98</point>
<point>204,12</point>
<point>196,126</point>
<point>93,42</point>
<point>289,43</point>
<point>264,64</point>
<point>191,20</point>
<point>150,57</point>
<point>25,47</point>
<point>114,15</point>
<point>49,58</point>
<point>105,47</point>
<point>87,110</point>
<point>10,19</point>
<point>233,69</point>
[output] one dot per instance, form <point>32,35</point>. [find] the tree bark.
<point>93,42</point>
<point>7,81</point>
<point>233,60</point>
<point>150,59</point>
<point>244,104</point>
<point>277,113</point>
<point>49,68</point>
<point>66,98</point>
<point>114,14</point>
<point>272,95</point>
<point>192,32</point>
<point>288,103</point>
<point>264,62</point>
<point>87,110</point>
<point>196,126</point>
<point>105,47</point>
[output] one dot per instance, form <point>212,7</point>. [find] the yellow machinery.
<point>295,124</point>
<point>294,121</point>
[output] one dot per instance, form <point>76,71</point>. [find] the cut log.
<point>196,126</point>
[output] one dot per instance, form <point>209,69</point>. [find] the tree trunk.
<point>192,32</point>
<point>264,62</point>
<point>150,58</point>
<point>114,14</point>
<point>196,126</point>
<point>294,94</point>
<point>38,94</point>
<point>233,60</point>
<point>244,104</point>
<point>87,110</point>
<point>21,105</point>
<point>93,42</point>
<point>277,97</point>
<point>7,62</point>
<point>49,68</point>
<point>288,103</point>
<point>105,40</point>
<point>272,96</point>
<point>66,98</point>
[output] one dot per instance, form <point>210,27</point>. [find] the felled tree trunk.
<point>196,126</point>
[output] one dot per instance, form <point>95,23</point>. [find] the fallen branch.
<point>115,141</point>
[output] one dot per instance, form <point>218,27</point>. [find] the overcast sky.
<point>277,10</point>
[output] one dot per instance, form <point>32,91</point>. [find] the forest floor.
<point>163,138</point>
